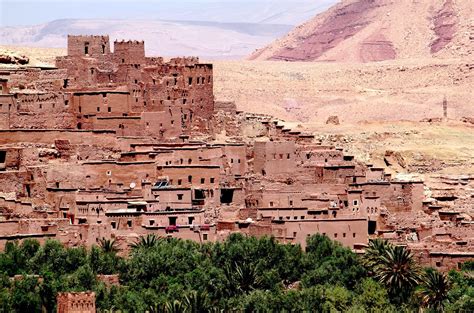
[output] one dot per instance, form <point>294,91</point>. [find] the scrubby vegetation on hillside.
<point>241,274</point>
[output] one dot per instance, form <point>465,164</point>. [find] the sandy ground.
<point>386,91</point>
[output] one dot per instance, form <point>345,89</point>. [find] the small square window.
<point>203,180</point>
<point>204,237</point>
<point>212,180</point>
<point>180,196</point>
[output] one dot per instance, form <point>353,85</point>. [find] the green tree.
<point>434,290</point>
<point>376,249</point>
<point>372,297</point>
<point>197,302</point>
<point>398,272</point>
<point>25,295</point>
<point>145,242</point>
<point>109,245</point>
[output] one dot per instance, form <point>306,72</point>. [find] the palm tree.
<point>434,290</point>
<point>242,278</point>
<point>196,302</point>
<point>398,271</point>
<point>175,306</point>
<point>373,253</point>
<point>147,242</point>
<point>109,245</point>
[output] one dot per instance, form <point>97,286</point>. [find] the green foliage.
<point>240,274</point>
<point>395,268</point>
<point>461,295</point>
<point>327,262</point>
<point>434,290</point>
<point>145,242</point>
<point>372,297</point>
<point>109,245</point>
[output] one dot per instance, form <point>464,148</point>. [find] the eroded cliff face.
<point>344,23</point>
<point>445,22</point>
<point>378,30</point>
<point>377,48</point>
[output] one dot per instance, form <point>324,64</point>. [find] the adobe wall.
<point>129,52</point>
<point>350,232</point>
<point>87,45</point>
<point>206,177</point>
<point>274,158</point>
<point>76,302</point>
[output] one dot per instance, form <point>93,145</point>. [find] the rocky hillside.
<point>377,30</point>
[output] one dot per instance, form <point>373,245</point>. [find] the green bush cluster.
<point>240,274</point>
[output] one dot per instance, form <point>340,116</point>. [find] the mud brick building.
<point>76,302</point>
<point>112,143</point>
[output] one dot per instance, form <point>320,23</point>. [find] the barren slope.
<point>382,91</point>
<point>377,30</point>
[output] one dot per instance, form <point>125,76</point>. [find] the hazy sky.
<point>30,12</point>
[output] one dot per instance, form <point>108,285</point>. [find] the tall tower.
<point>445,108</point>
<point>88,45</point>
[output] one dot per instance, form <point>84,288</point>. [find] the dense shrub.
<point>243,274</point>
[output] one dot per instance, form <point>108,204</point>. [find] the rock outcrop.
<point>378,30</point>
<point>6,58</point>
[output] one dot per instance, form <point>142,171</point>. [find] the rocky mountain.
<point>377,30</point>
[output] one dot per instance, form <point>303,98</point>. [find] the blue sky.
<point>30,12</point>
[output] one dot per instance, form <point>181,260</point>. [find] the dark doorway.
<point>227,196</point>
<point>372,227</point>
<point>199,194</point>
<point>3,156</point>
<point>172,220</point>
